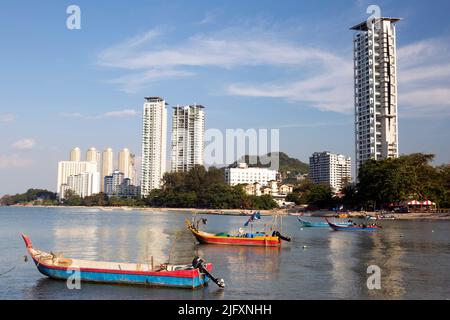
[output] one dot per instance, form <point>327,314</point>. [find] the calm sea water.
<point>414,257</point>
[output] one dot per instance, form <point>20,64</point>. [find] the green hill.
<point>286,163</point>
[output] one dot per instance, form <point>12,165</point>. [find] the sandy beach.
<point>234,212</point>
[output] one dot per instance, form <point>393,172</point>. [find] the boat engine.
<point>279,235</point>
<point>198,263</point>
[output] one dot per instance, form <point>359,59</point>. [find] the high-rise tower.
<point>188,137</point>
<point>107,166</point>
<point>75,154</point>
<point>375,76</point>
<point>154,136</point>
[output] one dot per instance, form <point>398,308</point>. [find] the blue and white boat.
<point>321,224</point>
<point>189,276</point>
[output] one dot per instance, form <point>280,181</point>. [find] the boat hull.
<point>236,241</point>
<point>338,228</point>
<point>259,241</point>
<point>308,224</point>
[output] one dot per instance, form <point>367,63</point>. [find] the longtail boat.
<point>353,227</point>
<point>190,276</point>
<point>321,224</point>
<point>243,239</point>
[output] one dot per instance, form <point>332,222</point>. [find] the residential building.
<point>127,189</point>
<point>126,163</point>
<point>75,154</point>
<point>375,80</point>
<point>67,169</point>
<point>245,175</point>
<point>112,182</point>
<point>188,137</point>
<point>329,168</point>
<point>83,184</point>
<point>107,166</point>
<point>92,155</point>
<point>154,136</point>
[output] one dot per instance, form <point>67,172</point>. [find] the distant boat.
<point>189,276</point>
<point>245,239</point>
<point>352,228</point>
<point>320,224</point>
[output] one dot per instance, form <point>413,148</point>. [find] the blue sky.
<point>253,64</point>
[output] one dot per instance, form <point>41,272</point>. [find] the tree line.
<point>381,182</point>
<point>197,188</point>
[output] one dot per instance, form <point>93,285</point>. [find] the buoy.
<point>304,247</point>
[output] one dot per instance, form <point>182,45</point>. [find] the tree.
<point>72,199</point>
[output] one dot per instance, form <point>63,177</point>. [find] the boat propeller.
<point>279,235</point>
<point>198,263</point>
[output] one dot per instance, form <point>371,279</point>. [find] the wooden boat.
<point>246,239</point>
<point>352,228</point>
<point>189,276</point>
<point>320,224</point>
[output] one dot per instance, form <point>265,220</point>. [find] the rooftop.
<point>363,25</point>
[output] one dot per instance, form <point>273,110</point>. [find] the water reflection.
<point>386,251</point>
<point>343,248</point>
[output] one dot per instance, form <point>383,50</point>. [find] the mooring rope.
<point>3,273</point>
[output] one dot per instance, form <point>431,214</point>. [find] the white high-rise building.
<point>375,76</point>
<point>107,166</point>
<point>75,154</point>
<point>188,137</point>
<point>83,184</point>
<point>126,163</point>
<point>68,169</point>
<point>245,175</point>
<point>329,168</point>
<point>154,139</point>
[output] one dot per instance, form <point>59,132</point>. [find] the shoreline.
<point>415,216</point>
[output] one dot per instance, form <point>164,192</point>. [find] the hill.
<point>286,163</point>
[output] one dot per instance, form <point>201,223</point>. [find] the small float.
<point>191,276</point>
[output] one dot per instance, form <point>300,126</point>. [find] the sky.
<point>283,65</point>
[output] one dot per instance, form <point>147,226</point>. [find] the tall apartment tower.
<point>329,168</point>
<point>75,154</point>
<point>92,155</point>
<point>375,76</point>
<point>107,166</point>
<point>188,137</point>
<point>126,163</point>
<point>154,139</point>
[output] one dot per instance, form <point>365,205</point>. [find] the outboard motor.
<point>279,235</point>
<point>198,263</point>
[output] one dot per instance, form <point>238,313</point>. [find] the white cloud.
<point>23,144</point>
<point>7,117</point>
<point>110,114</point>
<point>13,161</point>
<point>324,81</point>
<point>147,61</point>
<point>424,78</point>
<point>132,83</point>
<point>121,114</point>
